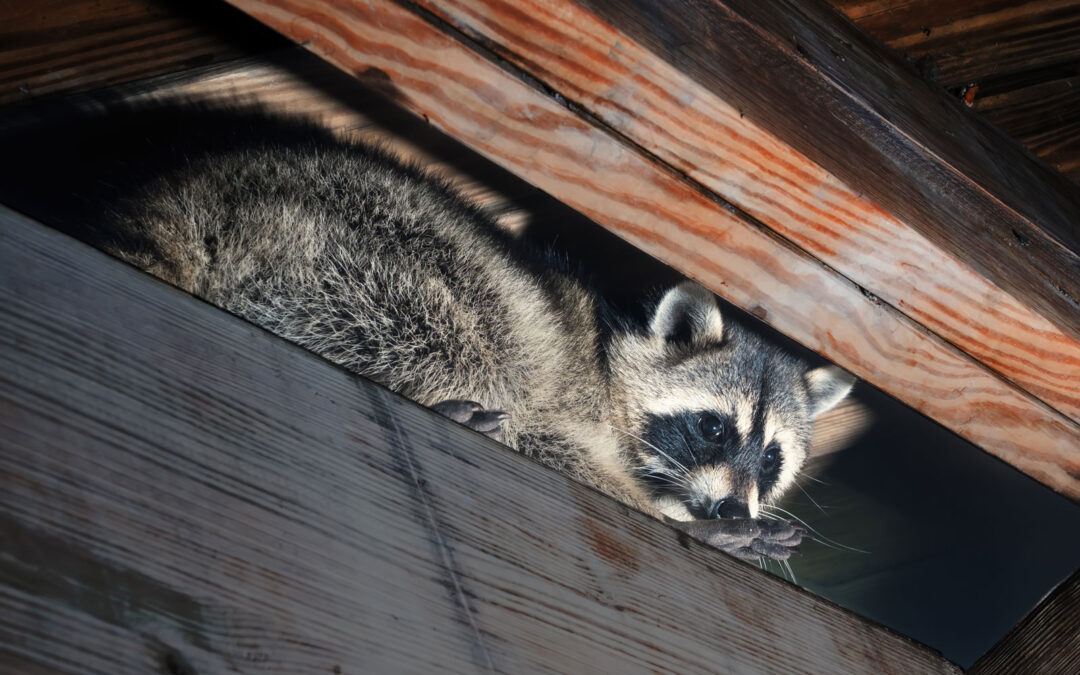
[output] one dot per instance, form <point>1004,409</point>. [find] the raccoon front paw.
<point>748,538</point>
<point>474,416</point>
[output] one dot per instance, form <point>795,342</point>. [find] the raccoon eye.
<point>771,459</point>
<point>711,426</point>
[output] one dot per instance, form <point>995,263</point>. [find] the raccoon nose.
<point>729,508</point>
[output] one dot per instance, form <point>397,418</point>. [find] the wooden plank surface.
<point>52,46</point>
<point>1044,116</point>
<point>535,135</point>
<point>681,122</point>
<point>973,40</point>
<point>1047,641</point>
<point>1021,57</point>
<point>295,82</point>
<point>834,94</point>
<point>184,492</point>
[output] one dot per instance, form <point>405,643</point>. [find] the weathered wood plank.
<point>52,46</point>
<point>971,41</point>
<point>1042,116</point>
<point>676,119</point>
<point>1017,59</point>
<point>178,485</point>
<point>860,111</point>
<point>1047,641</point>
<point>583,165</point>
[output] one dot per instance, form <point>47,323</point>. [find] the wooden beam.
<point>1046,641</point>
<point>974,41</point>
<point>675,118</point>
<point>1017,60</point>
<point>834,94</point>
<point>532,132</point>
<point>182,491</point>
<point>54,46</point>
<point>1043,117</point>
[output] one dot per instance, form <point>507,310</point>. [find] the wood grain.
<point>583,165</point>
<point>180,487</point>
<point>1046,641</point>
<point>1024,57</point>
<point>676,119</point>
<point>835,95</point>
<point>295,82</point>
<point>54,46</point>
<point>974,40</point>
<point>1044,117</point>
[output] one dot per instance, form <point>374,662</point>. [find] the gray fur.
<point>388,273</point>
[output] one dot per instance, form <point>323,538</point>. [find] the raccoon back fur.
<point>387,271</point>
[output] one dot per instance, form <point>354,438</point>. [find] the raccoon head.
<point>714,420</point>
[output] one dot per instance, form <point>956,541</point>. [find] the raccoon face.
<point>717,420</point>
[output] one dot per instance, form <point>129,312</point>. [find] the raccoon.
<point>387,271</point>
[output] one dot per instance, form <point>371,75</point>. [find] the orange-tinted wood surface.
<point>583,165</point>
<point>678,120</point>
<point>828,90</point>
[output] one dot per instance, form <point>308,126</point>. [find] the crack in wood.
<point>400,446</point>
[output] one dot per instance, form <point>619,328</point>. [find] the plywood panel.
<point>1017,61</point>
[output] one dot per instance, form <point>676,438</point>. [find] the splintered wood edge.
<point>534,135</point>
<point>183,490</point>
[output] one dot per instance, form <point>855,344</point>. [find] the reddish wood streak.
<point>592,63</point>
<point>642,201</point>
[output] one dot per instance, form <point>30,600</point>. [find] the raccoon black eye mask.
<point>393,275</point>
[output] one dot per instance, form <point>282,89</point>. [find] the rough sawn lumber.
<point>184,492</point>
<point>534,134</point>
<point>683,122</point>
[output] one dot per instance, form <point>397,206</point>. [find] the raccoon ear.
<point>688,313</point>
<point>827,386</point>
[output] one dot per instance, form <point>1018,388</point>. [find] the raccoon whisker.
<point>691,451</point>
<point>820,538</point>
<point>812,501</point>
<point>780,572</point>
<point>673,478</point>
<point>790,571</point>
<point>674,461</point>
<point>816,480</point>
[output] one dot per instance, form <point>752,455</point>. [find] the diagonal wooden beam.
<point>529,129</point>
<point>183,492</point>
<point>832,92</point>
<point>681,120</point>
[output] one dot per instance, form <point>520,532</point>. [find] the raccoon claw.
<point>474,416</point>
<point>747,538</point>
